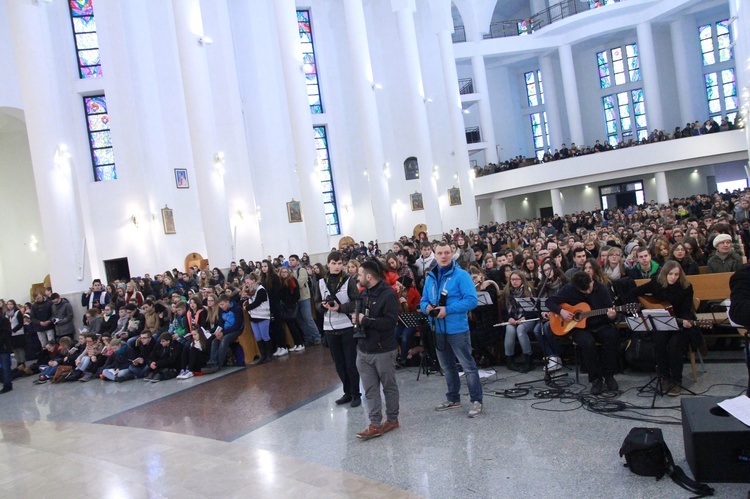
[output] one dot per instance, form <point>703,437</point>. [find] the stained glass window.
<point>721,93</point>
<point>534,89</point>
<point>715,40</point>
<point>628,110</point>
<point>100,138</point>
<point>309,66</point>
<point>621,64</point>
<point>87,42</point>
<point>539,133</point>
<point>326,181</point>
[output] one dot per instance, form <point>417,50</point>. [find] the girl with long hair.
<point>518,325</point>
<point>289,295</point>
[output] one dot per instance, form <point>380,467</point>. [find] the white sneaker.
<point>299,348</point>
<point>181,375</point>
<point>276,353</point>
<point>282,352</point>
<point>188,374</point>
<point>554,364</point>
<point>476,409</point>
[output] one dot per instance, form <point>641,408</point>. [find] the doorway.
<point>621,195</point>
<point>117,269</point>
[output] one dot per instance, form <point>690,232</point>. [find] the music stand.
<point>660,320</point>
<point>539,305</point>
<point>415,319</point>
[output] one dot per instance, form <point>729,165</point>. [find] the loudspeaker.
<point>717,445</point>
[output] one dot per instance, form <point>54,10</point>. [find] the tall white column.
<point>570,87</point>
<point>499,214</point>
<point>404,10</point>
<point>44,105</point>
<point>550,101</point>
<point>373,156</point>
<point>662,192</point>
<point>485,111</point>
<point>685,55</point>
<point>557,205</point>
<point>201,124</point>
<point>301,126</point>
<point>649,73</point>
<point>444,26</point>
<point>740,11</point>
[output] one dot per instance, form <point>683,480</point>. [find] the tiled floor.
<point>274,431</point>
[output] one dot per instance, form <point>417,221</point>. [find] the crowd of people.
<point>565,152</point>
<point>179,324</point>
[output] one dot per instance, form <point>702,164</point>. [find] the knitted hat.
<point>721,238</point>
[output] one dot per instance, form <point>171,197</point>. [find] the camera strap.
<point>332,291</point>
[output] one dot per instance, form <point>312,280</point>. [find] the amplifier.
<point>717,445</point>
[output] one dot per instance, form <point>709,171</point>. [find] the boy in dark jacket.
<point>140,353</point>
<point>165,359</point>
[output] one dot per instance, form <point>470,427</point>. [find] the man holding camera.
<point>376,355</point>
<point>447,297</point>
<point>336,301</point>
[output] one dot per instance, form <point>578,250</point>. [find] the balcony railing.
<point>472,135</point>
<point>465,86</point>
<point>566,8</point>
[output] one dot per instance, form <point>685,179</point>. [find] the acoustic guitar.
<point>581,312</point>
<point>652,303</point>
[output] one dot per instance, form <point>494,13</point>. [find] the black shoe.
<point>528,364</point>
<point>611,383</point>
<point>597,387</point>
<point>344,400</point>
<point>356,401</point>
<point>511,364</point>
<point>6,389</point>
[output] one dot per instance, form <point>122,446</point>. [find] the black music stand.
<point>415,319</point>
<point>659,320</point>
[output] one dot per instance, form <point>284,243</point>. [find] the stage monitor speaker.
<point>717,445</point>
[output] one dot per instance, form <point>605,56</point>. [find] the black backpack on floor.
<point>646,454</point>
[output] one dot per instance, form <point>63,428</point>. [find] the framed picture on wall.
<point>167,218</point>
<point>181,178</point>
<point>454,196</point>
<point>294,211</point>
<point>416,201</point>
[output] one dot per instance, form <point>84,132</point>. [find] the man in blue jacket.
<point>447,297</point>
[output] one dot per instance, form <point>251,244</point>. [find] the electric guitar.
<point>581,312</point>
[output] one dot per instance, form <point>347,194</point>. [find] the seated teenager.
<point>583,289</point>
<point>195,354</point>
<point>231,324</point>
<point>671,287</point>
<point>518,325</point>
<point>165,359</point>
<point>116,360</point>
<point>140,352</point>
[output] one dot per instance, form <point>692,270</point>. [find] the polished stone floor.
<point>275,431</point>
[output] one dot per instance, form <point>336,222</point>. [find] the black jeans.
<point>669,346</point>
<point>344,353</point>
<point>586,341</point>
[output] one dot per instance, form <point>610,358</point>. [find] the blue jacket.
<point>462,298</point>
<point>232,320</point>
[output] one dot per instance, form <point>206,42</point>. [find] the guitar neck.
<point>601,311</point>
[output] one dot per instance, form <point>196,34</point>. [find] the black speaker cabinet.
<point>717,445</point>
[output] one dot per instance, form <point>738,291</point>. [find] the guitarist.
<point>583,289</point>
<point>671,286</point>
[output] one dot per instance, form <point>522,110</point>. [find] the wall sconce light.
<point>257,213</point>
<point>376,86</point>
<point>346,208</point>
<point>387,170</point>
<point>427,100</point>
<point>219,162</point>
<point>466,111</point>
<point>205,40</point>
<point>134,220</point>
<point>240,214</point>
<point>61,154</point>
<point>366,174</point>
<point>33,243</point>
<point>435,172</point>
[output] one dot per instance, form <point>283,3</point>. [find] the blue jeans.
<point>450,347</point>
<point>522,332</point>
<point>139,371</point>
<point>306,322</point>
<point>545,337</point>
<point>260,330</point>
<point>403,338</point>
<point>7,375</point>
<point>220,348</point>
